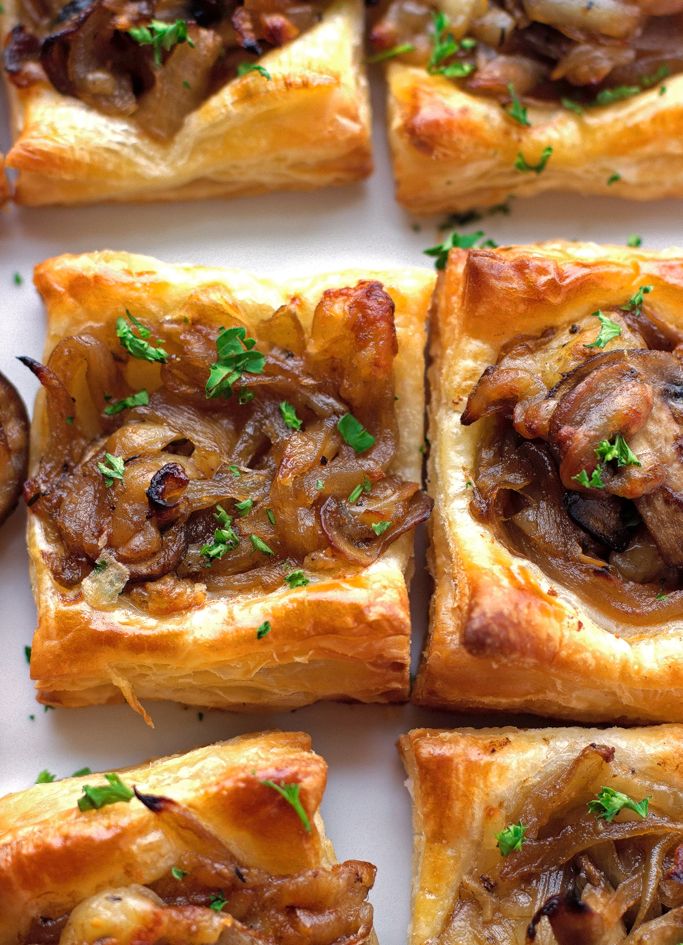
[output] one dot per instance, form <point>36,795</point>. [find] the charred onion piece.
<point>13,447</point>
<point>571,920</point>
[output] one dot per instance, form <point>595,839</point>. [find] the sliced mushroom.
<point>14,431</point>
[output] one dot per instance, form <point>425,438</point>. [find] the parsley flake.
<point>244,507</point>
<point>319,484</point>
<point>354,433</point>
<point>515,109</point>
<point>82,772</point>
<point>594,481</point>
<point>635,303</point>
<point>177,873</point>
<point>608,331</point>
<point>263,630</point>
<point>454,241</point>
<point>245,396</point>
<point>288,412</point>
<point>112,469</point>
<point>235,470</point>
<point>619,450</point>
<point>112,793</point>
<point>271,516</point>
<point>137,344</point>
<point>523,165</point>
<point>445,46</point>
<point>161,36</point>
<point>296,579</point>
<point>218,903</point>
<point>634,241</point>
<point>291,793</point>
<point>236,356</point>
<point>27,654</point>
<point>100,566</point>
<point>510,839</point>
<point>385,54</point>
<point>379,528</point>
<point>141,399</point>
<point>18,278</point>
<point>357,491</point>
<point>613,179</point>
<point>572,106</point>
<point>245,67</point>
<point>46,777</point>
<point>225,538</point>
<point>260,545</point>
<point>609,803</point>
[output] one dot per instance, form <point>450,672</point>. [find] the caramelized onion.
<point>14,434</point>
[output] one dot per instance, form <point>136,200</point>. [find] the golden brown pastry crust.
<point>453,150</point>
<point>334,639</point>
<point>465,783</point>
<point>308,127</point>
<point>53,856</point>
<point>502,635</point>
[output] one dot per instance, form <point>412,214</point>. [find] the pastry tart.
<point>221,846</point>
<point>558,481</point>
<point>490,98</point>
<point>150,101</point>
<point>224,483</point>
<point>561,836</point>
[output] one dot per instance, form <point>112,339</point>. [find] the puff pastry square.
<point>209,851</point>
<point>545,836</point>
<point>344,635</point>
<point>535,613</point>
<point>306,127</point>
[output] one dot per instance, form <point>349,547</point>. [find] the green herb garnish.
<point>515,109</point>
<point>510,839</point>
<point>357,491</point>
<point>246,67</point>
<point>244,507</point>
<point>635,303</point>
<point>100,566</point>
<point>263,630</point>
<point>634,241</point>
<point>523,165</point>
<point>161,36</point>
<point>112,793</point>
<point>260,545</point>
<point>619,450</point>
<point>218,903</point>
<point>177,873</point>
<point>46,777</point>
<point>445,46</point>
<point>137,344</point>
<point>454,241</point>
<point>572,106</point>
<point>82,772</point>
<point>27,654</point>
<point>113,468</point>
<point>613,179</point>
<point>18,278</point>
<point>354,433</point>
<point>291,792</point>
<point>245,396</point>
<point>225,538</point>
<point>609,802</point>
<point>289,415</point>
<point>141,399</point>
<point>271,516</point>
<point>594,481</point>
<point>385,54</point>
<point>236,356</point>
<point>296,579</point>
<point>379,528</point>
<point>608,331</point>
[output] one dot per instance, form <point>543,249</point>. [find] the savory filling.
<point>580,466</point>
<point>151,60</point>
<point>209,898</point>
<point>581,53</point>
<point>14,434</point>
<point>593,855</point>
<point>207,460</point>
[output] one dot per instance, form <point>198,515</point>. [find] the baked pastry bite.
<point>221,846</point>
<point>556,472</point>
<point>151,101</point>
<point>489,98</point>
<point>224,483</point>
<point>561,836</point>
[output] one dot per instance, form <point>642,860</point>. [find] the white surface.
<point>366,806</point>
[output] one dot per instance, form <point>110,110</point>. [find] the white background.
<point>366,806</point>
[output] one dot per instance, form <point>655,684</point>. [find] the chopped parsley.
<point>594,481</point>
<point>620,92</point>
<point>112,793</point>
<point>291,792</point>
<point>613,179</point>
<point>619,450</point>
<point>661,596</point>
<point>161,36</point>
<point>235,471</point>
<point>245,67</point>
<point>445,46</point>
<point>100,566</point>
<point>27,654</point>
<point>510,839</point>
<point>357,491</point>
<point>244,507</point>
<point>46,777</point>
<point>515,109</point>
<point>354,433</point>
<point>225,538</point>
<point>523,165</point>
<point>385,54</point>
<point>260,545</point>
<point>572,106</point>
<point>177,873</point>
<point>137,344</point>
<point>608,331</point>
<point>379,528</point>
<point>141,399</point>
<point>112,469</point>
<point>81,773</point>
<point>245,396</point>
<point>634,241</point>
<point>296,579</point>
<point>218,902</point>
<point>289,415</point>
<point>263,630</point>
<point>319,484</point>
<point>456,241</point>
<point>271,516</point>
<point>236,356</point>
<point>609,802</point>
<point>18,279</point>
<point>635,303</point>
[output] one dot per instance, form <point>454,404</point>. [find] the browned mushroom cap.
<point>13,447</point>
